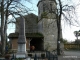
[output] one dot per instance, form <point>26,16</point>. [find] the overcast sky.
<point>67,30</point>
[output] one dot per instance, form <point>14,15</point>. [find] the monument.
<point>21,53</point>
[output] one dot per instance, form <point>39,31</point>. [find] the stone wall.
<point>30,23</point>
<point>48,27</point>
<point>48,7</point>
<point>47,24</point>
<point>50,34</point>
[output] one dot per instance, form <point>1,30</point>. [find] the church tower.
<point>47,24</point>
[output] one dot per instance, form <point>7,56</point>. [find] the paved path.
<point>70,55</point>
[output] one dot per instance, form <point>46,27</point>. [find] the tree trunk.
<point>58,39</point>
<point>59,28</point>
<point>5,27</point>
<point>2,28</point>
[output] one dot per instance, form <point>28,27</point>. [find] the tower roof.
<point>45,0</point>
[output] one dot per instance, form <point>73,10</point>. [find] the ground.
<point>70,55</point>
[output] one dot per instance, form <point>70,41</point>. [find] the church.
<point>41,30</point>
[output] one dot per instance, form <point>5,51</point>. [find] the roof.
<point>28,35</point>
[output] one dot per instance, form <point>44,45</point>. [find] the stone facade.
<point>47,24</point>
<point>47,6</point>
<point>30,23</point>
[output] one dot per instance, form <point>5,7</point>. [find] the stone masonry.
<point>47,24</point>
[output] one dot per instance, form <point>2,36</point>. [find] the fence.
<point>51,56</point>
<point>46,56</point>
<point>72,46</point>
<point>42,56</point>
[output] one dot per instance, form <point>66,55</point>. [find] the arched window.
<point>50,7</point>
<point>43,7</point>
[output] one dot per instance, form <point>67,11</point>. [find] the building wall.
<point>47,6</point>
<point>30,23</point>
<point>15,44</point>
<point>47,24</point>
<point>50,34</point>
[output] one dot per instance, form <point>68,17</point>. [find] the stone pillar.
<point>21,53</point>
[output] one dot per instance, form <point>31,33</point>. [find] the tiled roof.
<point>30,35</point>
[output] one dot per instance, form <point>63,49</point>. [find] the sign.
<point>58,41</point>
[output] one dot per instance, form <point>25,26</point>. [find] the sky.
<point>67,30</point>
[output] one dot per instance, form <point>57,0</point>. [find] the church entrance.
<point>38,43</point>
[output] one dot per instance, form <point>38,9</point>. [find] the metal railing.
<point>41,56</point>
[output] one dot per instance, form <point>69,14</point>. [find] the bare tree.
<point>59,27</point>
<point>77,34</point>
<point>10,7</point>
<point>65,12</point>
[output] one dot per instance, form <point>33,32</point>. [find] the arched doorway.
<point>38,43</point>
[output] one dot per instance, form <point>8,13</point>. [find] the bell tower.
<point>46,7</point>
<point>47,24</point>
